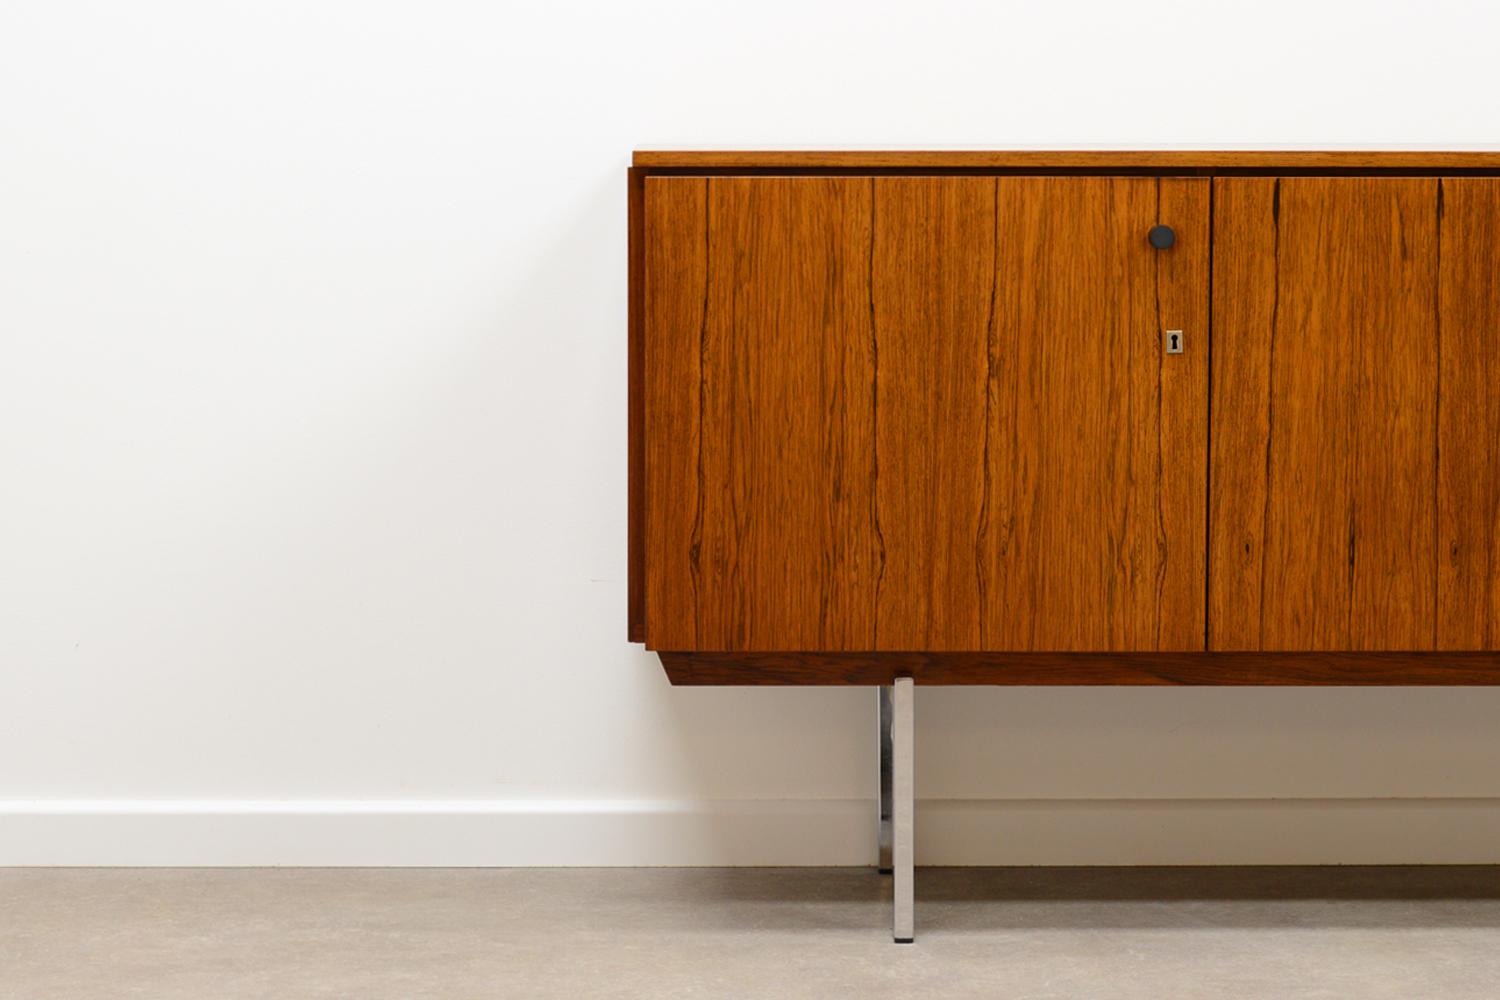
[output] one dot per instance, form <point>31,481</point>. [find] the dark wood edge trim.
<point>1034,159</point>
<point>636,410</point>
<point>1234,669</point>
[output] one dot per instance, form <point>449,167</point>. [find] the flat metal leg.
<point>883,793</point>
<point>903,811</point>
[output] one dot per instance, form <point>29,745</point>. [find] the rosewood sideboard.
<point>1063,418</point>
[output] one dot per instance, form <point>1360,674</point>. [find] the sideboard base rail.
<point>1234,669</point>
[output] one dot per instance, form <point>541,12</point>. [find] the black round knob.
<point>1161,237</point>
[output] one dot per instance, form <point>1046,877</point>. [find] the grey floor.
<point>1178,933</point>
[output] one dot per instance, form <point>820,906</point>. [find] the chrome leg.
<point>883,790</point>
<point>903,811</point>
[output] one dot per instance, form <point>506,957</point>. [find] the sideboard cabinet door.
<point>1468,501</point>
<point>1356,414</point>
<point>925,413</point>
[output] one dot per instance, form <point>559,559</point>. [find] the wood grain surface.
<point>1092,534</point>
<point>1468,446</point>
<point>894,413</point>
<point>1272,161</point>
<point>934,287</point>
<point>760,375</point>
<point>1200,668</point>
<point>676,263</point>
<point>1325,414</point>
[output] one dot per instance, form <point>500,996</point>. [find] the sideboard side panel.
<point>635,408</point>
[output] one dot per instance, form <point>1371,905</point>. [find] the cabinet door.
<point>923,413</point>
<point>1468,495</point>
<point>1354,414</point>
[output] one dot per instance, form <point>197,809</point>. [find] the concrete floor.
<point>1179,933</point>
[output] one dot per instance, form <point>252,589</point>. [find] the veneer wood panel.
<point>675,283</point>
<point>760,414</point>
<point>892,413</point>
<point>1092,534</point>
<point>1325,382</point>
<point>933,296</point>
<point>1468,445</point>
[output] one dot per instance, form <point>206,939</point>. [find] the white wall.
<point>312,437</point>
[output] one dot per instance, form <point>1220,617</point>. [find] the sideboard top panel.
<point>1187,161</point>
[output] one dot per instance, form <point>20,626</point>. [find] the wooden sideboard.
<point>1063,418</point>
<point>922,414</point>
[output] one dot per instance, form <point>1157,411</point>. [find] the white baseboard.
<point>746,832</point>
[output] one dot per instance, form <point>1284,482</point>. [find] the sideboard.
<point>1063,418</point>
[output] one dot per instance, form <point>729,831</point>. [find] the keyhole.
<point>1174,341</point>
